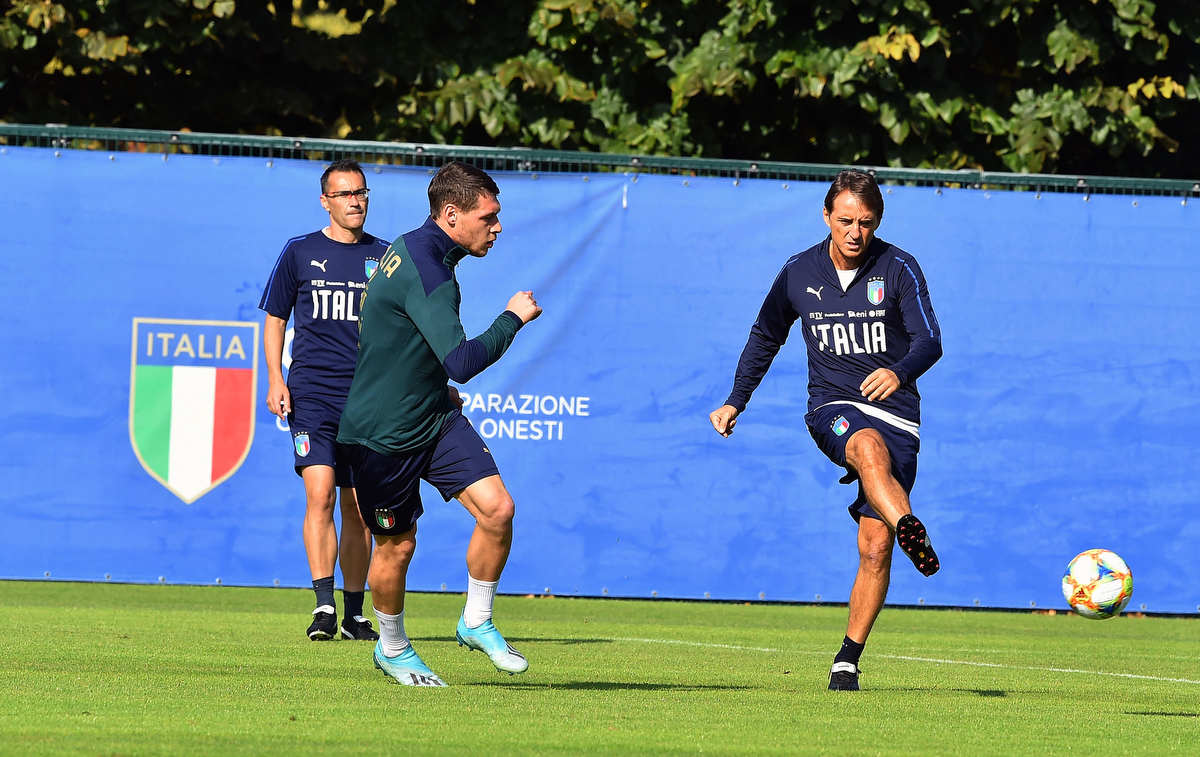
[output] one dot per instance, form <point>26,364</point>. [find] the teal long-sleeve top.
<point>411,341</point>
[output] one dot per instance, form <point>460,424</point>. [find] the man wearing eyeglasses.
<point>318,280</point>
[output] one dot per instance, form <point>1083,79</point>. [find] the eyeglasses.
<point>359,193</point>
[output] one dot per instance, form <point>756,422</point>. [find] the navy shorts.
<point>388,486</point>
<point>314,426</point>
<point>832,426</point>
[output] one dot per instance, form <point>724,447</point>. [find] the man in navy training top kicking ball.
<point>870,332</point>
<point>318,280</point>
<point>402,424</point>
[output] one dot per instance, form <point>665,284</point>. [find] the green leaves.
<point>716,66</point>
<point>1098,86</point>
<point>99,46</point>
<point>1069,48</point>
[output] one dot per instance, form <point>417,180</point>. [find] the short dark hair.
<point>858,183</point>
<point>461,185</point>
<point>345,165</point>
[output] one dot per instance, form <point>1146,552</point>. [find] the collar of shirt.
<point>439,243</point>
<point>874,253</point>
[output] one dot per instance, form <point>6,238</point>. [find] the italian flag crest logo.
<point>191,400</point>
<point>875,291</point>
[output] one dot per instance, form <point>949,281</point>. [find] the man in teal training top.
<point>402,424</point>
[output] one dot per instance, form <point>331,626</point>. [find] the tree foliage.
<point>1094,86</point>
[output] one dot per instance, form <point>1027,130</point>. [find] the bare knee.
<point>320,492</point>
<point>395,552</point>
<point>490,504</point>
<point>350,512</point>
<point>496,513</point>
<point>320,503</point>
<point>867,451</point>
<point>876,559</point>
<point>875,547</point>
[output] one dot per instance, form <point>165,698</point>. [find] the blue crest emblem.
<point>840,425</point>
<point>875,291</point>
<point>370,265</point>
<point>302,445</point>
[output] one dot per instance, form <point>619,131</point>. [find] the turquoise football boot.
<point>406,668</point>
<point>488,640</point>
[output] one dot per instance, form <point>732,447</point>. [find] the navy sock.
<point>352,602</point>
<point>324,590</point>
<point>850,652</point>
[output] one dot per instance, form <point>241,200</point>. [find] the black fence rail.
<point>61,137</point>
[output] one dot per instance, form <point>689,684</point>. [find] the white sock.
<point>480,596</point>
<point>391,633</point>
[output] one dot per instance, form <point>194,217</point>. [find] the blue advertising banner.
<point>136,446</point>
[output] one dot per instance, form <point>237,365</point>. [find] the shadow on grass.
<point>985,692</point>
<point>1165,714</point>
<point>931,689</point>
<point>608,686</point>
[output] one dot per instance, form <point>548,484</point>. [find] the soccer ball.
<point>1098,584</point>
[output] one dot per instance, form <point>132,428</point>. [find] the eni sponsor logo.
<point>191,400</point>
<point>525,417</point>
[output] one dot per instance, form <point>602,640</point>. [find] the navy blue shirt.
<point>884,319</point>
<point>320,282</point>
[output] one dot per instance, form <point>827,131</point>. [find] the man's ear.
<point>450,213</point>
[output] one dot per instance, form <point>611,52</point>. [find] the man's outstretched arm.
<point>767,335</point>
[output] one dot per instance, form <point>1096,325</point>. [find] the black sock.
<point>352,603</point>
<point>850,652</point>
<point>324,590</point>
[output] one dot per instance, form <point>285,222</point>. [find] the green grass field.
<point>114,669</point>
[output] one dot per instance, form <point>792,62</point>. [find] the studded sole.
<point>914,542</point>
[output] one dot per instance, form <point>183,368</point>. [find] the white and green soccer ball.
<point>1098,584</point>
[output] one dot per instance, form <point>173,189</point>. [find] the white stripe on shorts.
<point>889,418</point>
